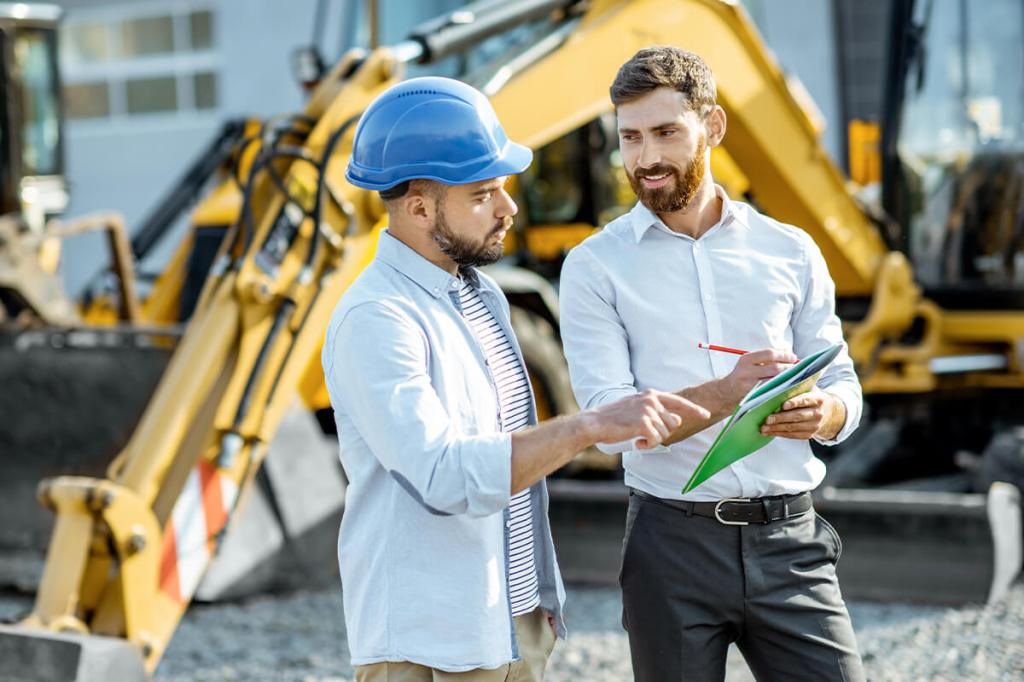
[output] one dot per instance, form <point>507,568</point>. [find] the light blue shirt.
<point>423,547</point>
<point>637,298</point>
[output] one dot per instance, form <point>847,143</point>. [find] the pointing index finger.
<point>680,405</point>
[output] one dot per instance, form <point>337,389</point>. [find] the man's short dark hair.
<point>664,66</point>
<point>396,192</point>
<point>432,188</point>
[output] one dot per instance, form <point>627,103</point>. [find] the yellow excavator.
<point>32,187</point>
<point>275,245</point>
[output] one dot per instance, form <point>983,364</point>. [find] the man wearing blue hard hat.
<point>447,563</point>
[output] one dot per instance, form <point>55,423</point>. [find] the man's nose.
<point>506,207</point>
<point>649,157</point>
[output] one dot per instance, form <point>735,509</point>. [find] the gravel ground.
<point>300,638</point>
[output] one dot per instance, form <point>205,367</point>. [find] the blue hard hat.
<point>432,128</point>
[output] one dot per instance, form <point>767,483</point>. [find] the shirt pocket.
<point>476,404</point>
<point>772,303</point>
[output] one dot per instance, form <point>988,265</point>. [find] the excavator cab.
<point>953,148</point>
<point>31,137</point>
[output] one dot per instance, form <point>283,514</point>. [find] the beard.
<point>465,252</point>
<point>679,193</point>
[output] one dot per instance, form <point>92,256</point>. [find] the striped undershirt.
<point>514,412</point>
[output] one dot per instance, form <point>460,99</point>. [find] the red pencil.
<point>723,349</point>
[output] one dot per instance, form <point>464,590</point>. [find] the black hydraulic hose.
<point>289,305</point>
<point>298,154</point>
<point>279,319</point>
<point>325,158</point>
<point>244,219</point>
<point>274,130</point>
<point>304,119</point>
<point>236,166</point>
<point>245,212</point>
<point>287,357</point>
<point>182,195</point>
<point>186,190</point>
<point>463,28</point>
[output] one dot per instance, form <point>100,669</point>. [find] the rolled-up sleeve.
<point>594,339</point>
<point>816,326</point>
<point>378,369</point>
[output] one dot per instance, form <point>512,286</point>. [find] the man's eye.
<point>667,133</point>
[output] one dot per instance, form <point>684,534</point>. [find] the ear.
<point>716,124</point>
<point>418,209</point>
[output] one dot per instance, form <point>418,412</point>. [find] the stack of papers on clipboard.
<point>741,434</point>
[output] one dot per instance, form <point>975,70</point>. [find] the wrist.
<point>732,390</point>
<point>835,417</point>
<point>586,428</point>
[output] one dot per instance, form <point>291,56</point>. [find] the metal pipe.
<point>954,364</point>
<point>464,28</point>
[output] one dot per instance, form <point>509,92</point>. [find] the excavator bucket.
<point>42,656</point>
<point>86,390</point>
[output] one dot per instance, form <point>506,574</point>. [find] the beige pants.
<point>536,642</point>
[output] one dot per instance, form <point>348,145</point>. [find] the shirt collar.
<point>407,261</point>
<point>643,219</point>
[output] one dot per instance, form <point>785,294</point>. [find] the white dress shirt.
<point>636,298</point>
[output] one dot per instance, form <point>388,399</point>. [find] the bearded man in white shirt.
<point>743,558</point>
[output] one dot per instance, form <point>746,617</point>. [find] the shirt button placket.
<point>712,320</point>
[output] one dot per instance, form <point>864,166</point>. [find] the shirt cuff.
<point>616,448</point>
<point>610,396</point>
<point>852,402</point>
<point>487,459</point>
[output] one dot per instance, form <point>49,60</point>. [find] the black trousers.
<point>691,586</point>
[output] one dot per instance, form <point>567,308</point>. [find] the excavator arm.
<point>128,551</point>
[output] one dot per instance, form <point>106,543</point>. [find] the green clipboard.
<point>741,434</point>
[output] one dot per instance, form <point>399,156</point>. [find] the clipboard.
<point>741,434</point>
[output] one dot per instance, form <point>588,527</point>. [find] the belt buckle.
<point>718,515</point>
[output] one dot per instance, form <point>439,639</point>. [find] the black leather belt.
<point>739,511</point>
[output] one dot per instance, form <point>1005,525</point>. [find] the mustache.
<point>503,224</point>
<point>659,169</point>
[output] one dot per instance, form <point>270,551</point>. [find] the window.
<point>83,43</point>
<point>147,95</point>
<point>151,35</point>
<point>204,90</point>
<point>33,65</point>
<point>87,100</point>
<point>578,178</point>
<point>124,61</point>
<point>201,30</point>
